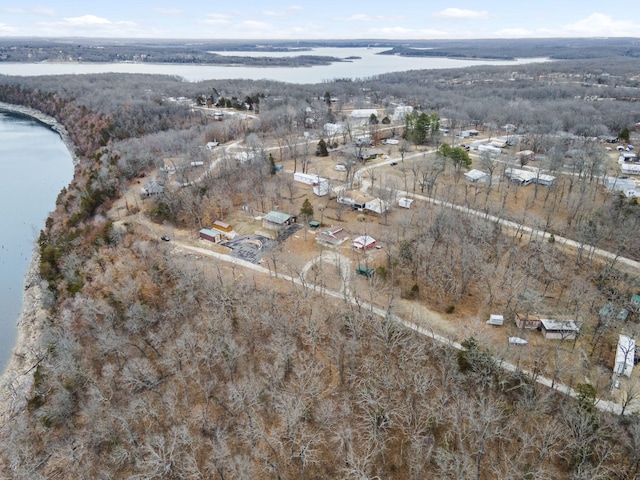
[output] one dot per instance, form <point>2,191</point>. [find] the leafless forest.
<point>156,364</point>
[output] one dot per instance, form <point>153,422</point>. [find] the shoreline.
<point>44,119</point>
<point>16,380</point>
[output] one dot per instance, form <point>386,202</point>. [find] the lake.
<point>368,65</point>
<point>35,166</point>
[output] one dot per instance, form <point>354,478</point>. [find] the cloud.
<point>37,10</point>
<point>89,25</point>
<point>86,20</point>
<point>407,33</point>
<point>253,25</point>
<point>514,33</point>
<point>7,29</point>
<point>362,17</point>
<point>216,19</point>
<point>599,24</point>
<point>458,13</point>
<point>282,13</point>
<point>171,12</point>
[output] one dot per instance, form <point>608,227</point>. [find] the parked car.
<point>165,238</point>
<point>341,168</point>
<point>393,164</point>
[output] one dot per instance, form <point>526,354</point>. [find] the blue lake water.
<point>35,165</point>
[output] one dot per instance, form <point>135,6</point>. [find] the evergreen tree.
<point>321,149</point>
<point>624,135</point>
<point>272,164</point>
<point>306,212</point>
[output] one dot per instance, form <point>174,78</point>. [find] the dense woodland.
<point>176,51</point>
<point>151,365</point>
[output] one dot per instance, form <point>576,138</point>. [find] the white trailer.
<point>491,149</point>
<point>306,178</point>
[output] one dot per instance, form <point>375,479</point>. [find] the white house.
<point>353,198</point>
<point>401,111</point>
<point>334,128</point>
<point>625,356</point>
<point>525,177</point>
<point>364,113</point>
<point>376,205</point>
<point>364,242</point>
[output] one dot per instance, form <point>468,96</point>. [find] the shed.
<point>559,329</point>
<point>625,356</point>
<point>517,341</point>
<point>277,220</point>
<point>497,320</point>
<point>364,271</point>
<point>211,234</point>
<point>364,242</point>
<point>224,227</point>
<point>405,202</point>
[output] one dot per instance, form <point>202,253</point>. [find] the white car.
<point>341,168</point>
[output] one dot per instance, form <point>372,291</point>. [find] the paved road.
<point>603,405</point>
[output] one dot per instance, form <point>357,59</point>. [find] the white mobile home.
<point>306,178</point>
<point>490,149</point>
<point>630,168</point>
<point>625,356</point>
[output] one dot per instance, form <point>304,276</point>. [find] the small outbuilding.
<point>496,320</point>
<point>405,202</point>
<point>211,234</point>
<point>222,226</point>
<point>364,242</point>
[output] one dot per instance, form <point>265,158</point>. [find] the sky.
<point>326,19</point>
